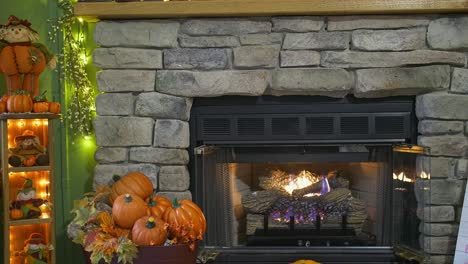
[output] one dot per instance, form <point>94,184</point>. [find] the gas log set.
<point>307,208</point>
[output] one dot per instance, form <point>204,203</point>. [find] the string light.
<point>37,122</point>
<point>81,93</point>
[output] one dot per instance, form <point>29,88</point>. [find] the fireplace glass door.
<point>309,196</point>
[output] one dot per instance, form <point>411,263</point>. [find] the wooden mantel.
<point>226,8</point>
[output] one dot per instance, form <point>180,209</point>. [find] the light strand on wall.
<point>74,58</point>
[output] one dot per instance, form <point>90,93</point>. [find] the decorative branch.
<point>73,61</point>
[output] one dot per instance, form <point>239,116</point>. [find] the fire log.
<point>313,188</point>
<point>260,201</point>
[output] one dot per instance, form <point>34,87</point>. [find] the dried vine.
<point>73,61</point>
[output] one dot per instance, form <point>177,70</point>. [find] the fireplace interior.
<point>311,175</point>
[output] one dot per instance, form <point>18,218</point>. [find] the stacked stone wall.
<point>152,70</point>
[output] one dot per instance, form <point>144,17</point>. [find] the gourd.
<point>40,104</point>
<point>20,102</point>
<point>149,231</point>
<point>133,183</point>
<point>127,209</point>
<point>157,205</point>
<point>186,221</point>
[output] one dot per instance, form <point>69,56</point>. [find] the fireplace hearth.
<point>310,172</point>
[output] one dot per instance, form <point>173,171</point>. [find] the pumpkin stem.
<point>175,203</point>
<point>151,202</point>
<point>116,177</point>
<point>128,198</point>
<point>150,223</point>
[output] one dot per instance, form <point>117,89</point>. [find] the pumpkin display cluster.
<point>114,221</point>
<point>22,102</point>
<point>151,218</point>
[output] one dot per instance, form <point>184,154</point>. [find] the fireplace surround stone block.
<point>375,22</point>
<point>385,40</point>
<point>446,192</point>
<point>381,82</point>
<point>438,127</point>
<point>159,155</point>
<point>437,214</point>
<point>265,56</point>
<point>299,58</point>
<point>212,83</point>
<point>216,27</point>
<point>439,245</point>
<point>330,82</point>
<point>297,24</point>
<point>208,42</point>
<point>447,145</point>
<point>448,33</point>
<point>115,104</point>
<point>442,105</point>
<point>261,39</point>
<point>125,81</point>
<point>158,105</point>
<point>171,134</point>
<point>460,81</point>
<point>317,41</point>
<point>139,34</point>
<point>111,155</point>
<point>174,178</point>
<point>432,229</point>
<point>112,131</point>
<point>360,59</point>
<point>127,58</point>
<point>201,59</point>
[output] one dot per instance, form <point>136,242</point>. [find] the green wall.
<point>74,157</point>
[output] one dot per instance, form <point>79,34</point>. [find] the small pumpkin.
<point>4,98</point>
<point>20,102</point>
<point>29,161</point>
<point>54,107</point>
<point>186,221</point>
<point>16,214</point>
<point>149,231</point>
<point>157,205</point>
<point>133,183</point>
<point>127,209</point>
<point>3,107</point>
<point>41,107</point>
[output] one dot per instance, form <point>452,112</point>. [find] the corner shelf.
<point>30,221</point>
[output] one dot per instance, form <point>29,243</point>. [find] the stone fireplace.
<point>153,70</point>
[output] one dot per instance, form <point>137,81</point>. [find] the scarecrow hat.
<point>14,21</point>
<point>27,186</point>
<point>35,238</point>
<point>26,134</point>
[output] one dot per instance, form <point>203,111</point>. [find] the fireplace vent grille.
<point>314,122</point>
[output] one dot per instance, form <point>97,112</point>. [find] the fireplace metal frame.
<point>324,150</point>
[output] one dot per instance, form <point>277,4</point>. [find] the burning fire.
<point>402,177</point>
<point>300,181</point>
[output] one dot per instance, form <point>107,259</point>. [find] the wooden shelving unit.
<point>17,231</point>
<point>223,8</point>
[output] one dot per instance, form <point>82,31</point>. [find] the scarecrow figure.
<point>22,59</point>
<point>28,151</point>
<point>36,250</point>
<point>27,202</point>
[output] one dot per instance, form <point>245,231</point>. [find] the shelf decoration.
<point>28,151</point>
<point>73,62</point>
<point>27,202</point>
<point>36,250</point>
<point>22,58</point>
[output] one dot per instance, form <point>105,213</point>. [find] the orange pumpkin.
<point>133,183</point>
<point>157,205</point>
<point>186,221</point>
<point>41,107</point>
<point>3,107</point>
<point>54,107</point>
<point>127,209</point>
<point>4,98</point>
<point>149,231</point>
<point>16,214</point>
<point>20,102</point>
<point>29,161</point>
